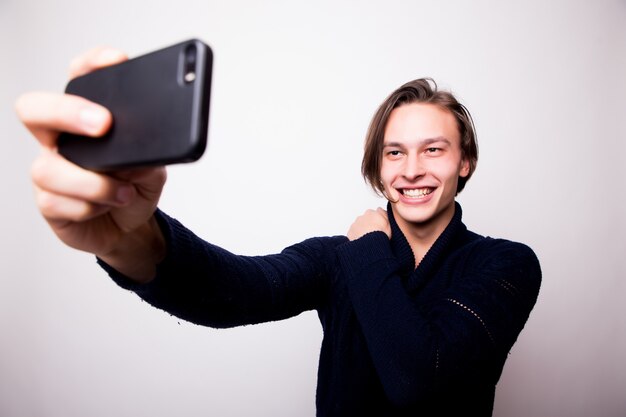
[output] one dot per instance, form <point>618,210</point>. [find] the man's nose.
<point>413,167</point>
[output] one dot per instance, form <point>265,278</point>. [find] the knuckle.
<point>38,170</point>
<point>46,203</point>
<point>82,212</point>
<point>100,190</point>
<point>161,175</point>
<point>19,105</point>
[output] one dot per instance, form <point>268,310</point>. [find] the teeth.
<point>417,192</point>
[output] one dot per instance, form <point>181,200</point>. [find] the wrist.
<point>138,252</point>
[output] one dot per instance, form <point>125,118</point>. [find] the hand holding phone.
<point>109,214</point>
<point>160,107</point>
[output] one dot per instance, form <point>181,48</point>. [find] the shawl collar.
<point>417,277</point>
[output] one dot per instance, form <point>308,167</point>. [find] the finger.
<point>94,59</point>
<point>46,114</point>
<point>386,226</point>
<point>148,181</point>
<point>60,210</point>
<point>54,174</point>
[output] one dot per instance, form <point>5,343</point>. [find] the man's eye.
<point>432,150</point>
<point>394,153</point>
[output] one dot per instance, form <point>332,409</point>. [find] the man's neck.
<point>422,236</point>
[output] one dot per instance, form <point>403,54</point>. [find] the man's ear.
<point>465,168</point>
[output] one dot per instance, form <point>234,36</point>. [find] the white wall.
<point>295,84</point>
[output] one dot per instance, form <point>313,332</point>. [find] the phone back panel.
<point>159,116</point>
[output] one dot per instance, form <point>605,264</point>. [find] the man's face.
<point>421,165</point>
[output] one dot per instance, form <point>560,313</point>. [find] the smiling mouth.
<point>416,192</point>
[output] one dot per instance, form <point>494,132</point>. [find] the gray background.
<point>295,84</point>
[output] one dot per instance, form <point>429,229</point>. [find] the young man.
<point>418,313</point>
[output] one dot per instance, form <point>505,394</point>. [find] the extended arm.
<point>208,285</point>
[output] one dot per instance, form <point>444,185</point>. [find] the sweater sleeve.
<point>462,336</point>
<point>204,284</point>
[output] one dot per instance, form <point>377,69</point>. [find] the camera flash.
<point>190,76</point>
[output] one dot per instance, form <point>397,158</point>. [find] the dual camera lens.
<point>189,64</point>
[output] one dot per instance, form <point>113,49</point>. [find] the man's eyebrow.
<point>437,139</point>
<point>422,142</point>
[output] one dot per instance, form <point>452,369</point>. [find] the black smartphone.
<point>160,107</point>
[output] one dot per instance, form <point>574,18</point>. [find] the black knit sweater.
<point>397,340</point>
